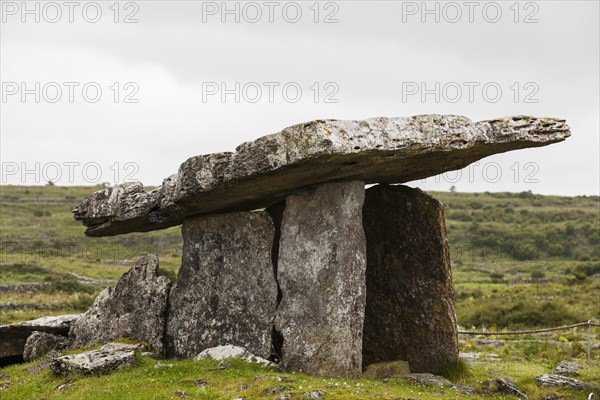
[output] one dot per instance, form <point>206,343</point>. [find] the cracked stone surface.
<point>264,171</point>
<point>226,293</point>
<point>14,336</point>
<point>135,308</point>
<point>93,362</point>
<point>321,273</point>
<point>410,312</point>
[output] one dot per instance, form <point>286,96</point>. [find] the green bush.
<point>519,314</point>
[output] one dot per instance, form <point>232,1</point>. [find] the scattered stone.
<point>92,362</point>
<point>182,393</point>
<point>242,387</point>
<point>135,308</point>
<point>40,343</point>
<point>43,362</point>
<point>314,395</point>
<point>226,293</point>
<point>504,386</point>
<point>276,389</point>
<point>386,369</point>
<point>64,386</point>
<point>567,368</point>
<point>469,355</point>
<point>4,385</point>
<point>201,382</point>
<point>264,171</point>
<point>321,273</point>
<point>466,390</point>
<point>426,379</point>
<point>285,396</point>
<point>555,380</point>
<point>4,377</point>
<point>14,336</point>
<point>151,354</point>
<point>228,351</point>
<point>410,311</point>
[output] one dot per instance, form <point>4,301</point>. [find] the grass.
<point>519,260</point>
<point>249,381</point>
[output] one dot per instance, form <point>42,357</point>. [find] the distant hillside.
<point>518,258</point>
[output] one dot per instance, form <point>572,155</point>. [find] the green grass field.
<point>519,260</point>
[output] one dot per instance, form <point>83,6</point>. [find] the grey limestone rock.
<point>226,293</point>
<point>39,344</point>
<point>410,311</point>
<point>266,170</point>
<point>321,273</point>
<point>136,308</point>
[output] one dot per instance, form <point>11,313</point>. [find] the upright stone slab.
<point>321,273</point>
<point>226,292</point>
<point>410,311</point>
<point>135,308</point>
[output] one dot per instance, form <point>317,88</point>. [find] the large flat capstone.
<point>264,171</point>
<point>410,311</point>
<point>226,293</point>
<point>321,272</point>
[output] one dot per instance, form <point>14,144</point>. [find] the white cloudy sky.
<point>373,51</point>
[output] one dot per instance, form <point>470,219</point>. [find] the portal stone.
<point>226,292</point>
<point>321,273</point>
<point>410,311</point>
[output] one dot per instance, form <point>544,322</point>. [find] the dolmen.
<point>302,247</point>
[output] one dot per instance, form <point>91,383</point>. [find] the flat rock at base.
<point>410,311</point>
<point>555,380</point>
<point>220,353</point>
<point>226,293</point>
<point>567,368</point>
<point>426,379</point>
<point>135,308</point>
<point>262,172</point>
<point>321,274</point>
<point>386,369</point>
<point>504,386</point>
<point>14,336</point>
<point>93,362</point>
<point>40,343</point>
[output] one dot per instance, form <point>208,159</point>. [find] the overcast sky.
<point>166,63</point>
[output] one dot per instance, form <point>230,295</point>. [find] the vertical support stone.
<point>410,311</point>
<point>225,291</point>
<point>321,273</point>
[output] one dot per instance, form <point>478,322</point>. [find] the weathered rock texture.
<point>94,361</point>
<point>410,311</point>
<point>321,272</point>
<point>262,172</point>
<point>555,380</point>
<point>14,336</point>
<point>39,344</point>
<point>226,291</point>
<point>135,308</point>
